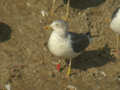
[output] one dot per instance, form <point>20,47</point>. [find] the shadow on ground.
<point>5,32</point>
<point>95,58</point>
<point>83,4</point>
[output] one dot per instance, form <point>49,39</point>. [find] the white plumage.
<point>115,23</point>
<point>66,44</point>
<point>60,46</point>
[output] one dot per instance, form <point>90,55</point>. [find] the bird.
<point>115,25</point>
<point>63,43</point>
<point>67,2</point>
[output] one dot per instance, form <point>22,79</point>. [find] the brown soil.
<point>26,63</point>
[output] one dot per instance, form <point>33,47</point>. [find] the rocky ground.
<point>27,64</point>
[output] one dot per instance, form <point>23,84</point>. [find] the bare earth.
<point>27,64</point>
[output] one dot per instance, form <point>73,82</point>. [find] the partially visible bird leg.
<point>53,8</point>
<point>116,51</point>
<point>69,68</point>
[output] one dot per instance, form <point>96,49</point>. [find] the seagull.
<point>115,25</point>
<point>67,2</point>
<point>63,43</point>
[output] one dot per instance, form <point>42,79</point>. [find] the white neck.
<point>61,33</point>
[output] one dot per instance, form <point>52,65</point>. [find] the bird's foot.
<point>68,72</point>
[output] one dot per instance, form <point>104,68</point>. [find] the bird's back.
<point>79,41</point>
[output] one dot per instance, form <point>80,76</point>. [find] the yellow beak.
<point>47,28</point>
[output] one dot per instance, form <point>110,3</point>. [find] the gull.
<point>67,8</point>
<point>63,43</point>
<point>115,25</point>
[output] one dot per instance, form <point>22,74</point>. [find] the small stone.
<point>51,74</point>
<point>45,48</point>
<point>8,86</point>
<point>103,73</point>
<point>28,4</point>
<point>44,13</point>
<point>70,87</point>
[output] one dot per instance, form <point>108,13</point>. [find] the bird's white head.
<point>59,26</point>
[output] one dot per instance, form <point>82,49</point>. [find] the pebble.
<point>103,73</point>
<point>70,87</point>
<point>28,4</point>
<point>99,75</point>
<point>45,49</point>
<point>51,74</point>
<point>8,86</point>
<point>44,13</point>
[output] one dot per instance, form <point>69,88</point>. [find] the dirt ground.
<point>27,64</point>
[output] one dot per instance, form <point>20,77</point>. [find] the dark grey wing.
<point>79,41</point>
<point>115,12</point>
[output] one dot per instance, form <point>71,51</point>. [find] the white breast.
<point>115,24</point>
<point>60,46</point>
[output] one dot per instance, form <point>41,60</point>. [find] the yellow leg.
<point>53,8</point>
<point>69,68</point>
